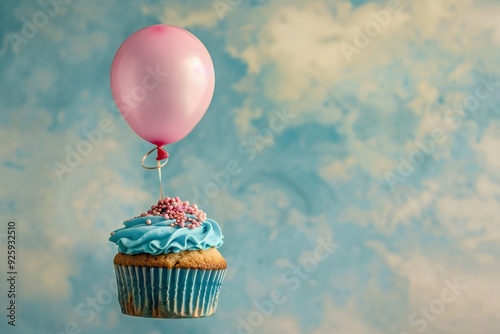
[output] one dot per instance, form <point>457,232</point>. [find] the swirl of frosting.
<point>157,236</point>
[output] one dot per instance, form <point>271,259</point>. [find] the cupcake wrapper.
<point>168,293</point>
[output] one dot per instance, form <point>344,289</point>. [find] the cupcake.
<point>168,265</point>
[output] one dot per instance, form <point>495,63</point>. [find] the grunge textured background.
<point>350,155</point>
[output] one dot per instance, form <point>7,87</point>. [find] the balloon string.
<point>159,178</point>
<point>162,155</point>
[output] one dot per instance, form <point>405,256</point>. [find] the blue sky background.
<point>356,121</point>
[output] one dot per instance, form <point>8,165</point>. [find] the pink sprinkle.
<point>148,221</point>
<point>175,209</point>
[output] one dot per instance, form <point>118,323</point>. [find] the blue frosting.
<point>161,238</point>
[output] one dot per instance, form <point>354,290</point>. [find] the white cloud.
<point>59,219</point>
<point>260,199</point>
<point>486,19</point>
<point>295,47</point>
<point>219,207</point>
<point>488,147</point>
<point>79,48</point>
<point>293,55</point>
<point>339,170</point>
<point>51,267</point>
<point>280,323</point>
<point>337,320</point>
<point>426,278</point>
<point>244,115</point>
<point>179,14</point>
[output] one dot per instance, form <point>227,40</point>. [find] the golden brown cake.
<point>209,259</point>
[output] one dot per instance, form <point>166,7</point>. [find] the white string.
<point>158,166</point>
<point>159,178</point>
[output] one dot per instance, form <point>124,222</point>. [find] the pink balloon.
<point>162,80</point>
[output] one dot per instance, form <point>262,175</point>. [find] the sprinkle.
<point>177,210</point>
<point>148,221</point>
<point>112,232</point>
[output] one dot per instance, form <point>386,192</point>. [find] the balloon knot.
<point>161,153</point>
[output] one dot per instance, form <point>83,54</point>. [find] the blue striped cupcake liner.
<point>168,293</point>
